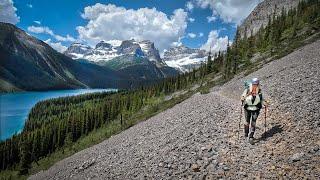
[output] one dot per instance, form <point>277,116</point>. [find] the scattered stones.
<point>195,168</point>
<point>296,157</point>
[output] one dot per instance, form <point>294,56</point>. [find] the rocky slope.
<point>259,16</point>
<point>198,138</point>
<point>183,58</point>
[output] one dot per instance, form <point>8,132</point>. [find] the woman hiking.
<point>252,101</point>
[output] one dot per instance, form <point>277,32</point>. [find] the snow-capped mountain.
<point>151,52</point>
<point>106,51</point>
<point>121,54</point>
<point>77,50</point>
<point>137,59</point>
<point>183,58</point>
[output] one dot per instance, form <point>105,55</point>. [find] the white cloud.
<point>8,12</point>
<point>231,11</point>
<point>201,34</point>
<point>56,45</point>
<point>215,42</point>
<point>177,43</point>
<point>109,22</point>
<point>66,38</point>
<point>191,19</point>
<point>40,29</point>
<point>189,6</point>
<point>192,35</point>
<point>37,22</point>
<point>47,30</point>
<point>211,18</point>
<point>30,5</point>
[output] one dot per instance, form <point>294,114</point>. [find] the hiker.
<point>252,101</point>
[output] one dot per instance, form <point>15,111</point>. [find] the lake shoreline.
<point>15,107</point>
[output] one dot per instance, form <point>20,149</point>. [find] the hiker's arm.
<point>264,101</point>
<point>244,94</point>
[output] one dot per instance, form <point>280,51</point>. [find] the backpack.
<point>253,92</point>
<point>247,84</point>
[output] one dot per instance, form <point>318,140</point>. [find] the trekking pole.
<point>240,121</point>
<point>265,121</point>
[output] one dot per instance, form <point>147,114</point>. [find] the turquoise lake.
<point>14,107</point>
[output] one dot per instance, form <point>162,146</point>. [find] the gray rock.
<point>296,157</point>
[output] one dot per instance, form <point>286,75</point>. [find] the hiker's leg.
<point>255,115</point>
<point>247,115</point>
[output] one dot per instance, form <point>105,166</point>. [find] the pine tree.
<point>25,156</point>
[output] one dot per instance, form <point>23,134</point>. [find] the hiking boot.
<point>246,131</point>
<point>251,141</point>
<point>251,134</point>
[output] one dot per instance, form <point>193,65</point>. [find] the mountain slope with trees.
<point>295,28</point>
<point>198,138</point>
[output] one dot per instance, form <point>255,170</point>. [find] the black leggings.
<point>253,116</point>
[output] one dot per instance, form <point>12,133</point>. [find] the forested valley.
<point>56,124</point>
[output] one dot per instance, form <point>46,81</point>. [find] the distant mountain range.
<point>136,59</point>
<point>27,63</point>
<point>126,55</point>
<point>106,51</point>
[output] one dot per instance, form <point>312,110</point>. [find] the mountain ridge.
<point>181,58</point>
<point>30,64</point>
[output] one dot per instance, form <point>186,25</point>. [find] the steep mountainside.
<point>183,58</point>
<point>30,64</point>
<point>198,138</point>
<point>260,15</point>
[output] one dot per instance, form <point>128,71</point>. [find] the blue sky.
<point>189,26</point>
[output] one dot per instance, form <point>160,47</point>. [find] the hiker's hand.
<point>266,103</point>
<point>242,99</point>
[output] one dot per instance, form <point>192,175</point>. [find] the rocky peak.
<point>77,49</point>
<point>150,51</point>
<point>103,45</point>
<point>130,47</point>
<point>259,16</point>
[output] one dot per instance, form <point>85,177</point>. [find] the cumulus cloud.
<point>211,18</point>
<point>215,42</point>
<point>191,19</point>
<point>109,22</point>
<point>56,45</point>
<point>231,11</point>
<point>40,29</point>
<point>189,6</point>
<point>201,34</point>
<point>47,30</point>
<point>30,5</point>
<point>8,12</point>
<point>192,35</point>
